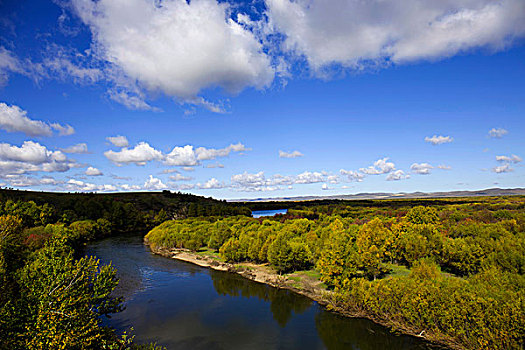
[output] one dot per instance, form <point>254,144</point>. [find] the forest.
<point>451,269</point>
<point>51,295</point>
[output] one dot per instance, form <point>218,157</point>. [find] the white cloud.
<point>176,47</point>
<point>154,183</point>
<point>381,166</point>
<point>14,119</point>
<point>212,183</point>
<point>10,63</point>
<point>131,101</point>
<point>421,168</point>
<point>507,161</point>
<point>497,132</point>
<point>184,187</point>
<point>309,177</point>
<point>359,33</point>
<point>188,168</point>
<point>438,140</point>
<point>185,156</point>
<point>128,187</point>
<point>181,156</point>
<point>26,181</point>
<point>325,187</point>
<point>352,175</point>
<point>63,130</point>
<point>90,171</point>
<point>79,148</point>
<point>60,65</point>
<point>505,168</point>
<point>78,185</point>
<point>212,153</point>
<point>215,165</point>
<point>119,141</point>
<point>140,155</point>
<point>444,167</point>
<point>512,159</point>
<point>293,154</point>
<point>257,182</point>
<point>32,157</point>
<point>180,177</point>
<point>397,175</point>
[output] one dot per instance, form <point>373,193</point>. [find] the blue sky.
<point>264,98</point>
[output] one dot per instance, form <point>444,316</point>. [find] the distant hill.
<point>402,195</point>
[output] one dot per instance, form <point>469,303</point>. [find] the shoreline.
<point>261,273</point>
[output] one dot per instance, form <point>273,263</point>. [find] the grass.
<point>210,253</point>
<point>398,270</point>
<point>307,276</point>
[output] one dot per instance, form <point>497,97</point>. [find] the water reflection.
<point>283,303</point>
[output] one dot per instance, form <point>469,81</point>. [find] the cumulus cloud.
<point>15,119</point>
<point>257,182</point>
<point>140,154</point>
<point>63,130</point>
<point>357,33</point>
<point>497,132</point>
<point>181,156</point>
<point>325,187</point>
<point>154,183</point>
<point>78,185</point>
<point>32,157</point>
<point>397,175</point>
<point>79,148</point>
<point>310,177</point>
<point>421,168</point>
<point>352,175</point>
<point>176,47</point>
<point>90,171</point>
<point>212,183</point>
<point>509,159</point>
<point>438,140</point>
<point>381,166</point>
<point>185,156</point>
<point>128,187</point>
<point>27,181</point>
<point>293,154</point>
<point>203,153</point>
<point>119,141</point>
<point>505,168</point>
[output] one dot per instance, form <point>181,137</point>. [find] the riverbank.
<point>303,284</point>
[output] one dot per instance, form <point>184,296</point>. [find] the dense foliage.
<point>50,296</point>
<point>464,260</point>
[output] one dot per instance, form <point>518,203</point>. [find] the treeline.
<point>138,211</point>
<point>452,270</point>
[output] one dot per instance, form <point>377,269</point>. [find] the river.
<point>184,306</point>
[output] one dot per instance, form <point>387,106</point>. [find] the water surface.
<point>184,306</point>
<point>261,213</point>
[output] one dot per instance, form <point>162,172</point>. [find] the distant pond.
<point>184,306</point>
<point>260,213</point>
